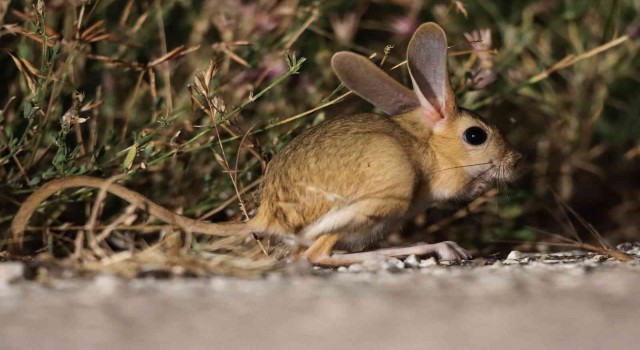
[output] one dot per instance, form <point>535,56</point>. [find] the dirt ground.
<point>553,302</point>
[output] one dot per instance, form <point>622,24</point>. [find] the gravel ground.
<point>563,301</point>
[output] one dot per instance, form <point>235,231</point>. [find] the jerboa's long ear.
<point>371,83</point>
<point>427,61</point>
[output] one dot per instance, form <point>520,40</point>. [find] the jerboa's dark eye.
<point>475,136</point>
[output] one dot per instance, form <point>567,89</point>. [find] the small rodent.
<point>348,181</point>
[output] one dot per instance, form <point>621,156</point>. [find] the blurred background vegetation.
<point>188,98</point>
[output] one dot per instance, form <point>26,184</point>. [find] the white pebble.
<point>550,262</point>
<point>429,262</point>
<point>599,258</point>
<point>515,255</point>
<point>11,272</point>
<point>356,268</point>
<point>393,265</point>
<point>412,261</point>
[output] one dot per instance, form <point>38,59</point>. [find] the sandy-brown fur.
<point>363,158</point>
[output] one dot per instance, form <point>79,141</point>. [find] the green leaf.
<point>131,156</point>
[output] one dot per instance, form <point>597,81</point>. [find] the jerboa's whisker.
<point>462,166</point>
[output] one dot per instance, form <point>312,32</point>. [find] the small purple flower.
<point>404,25</point>
<point>482,72</point>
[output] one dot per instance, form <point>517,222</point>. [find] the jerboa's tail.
<point>20,221</point>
